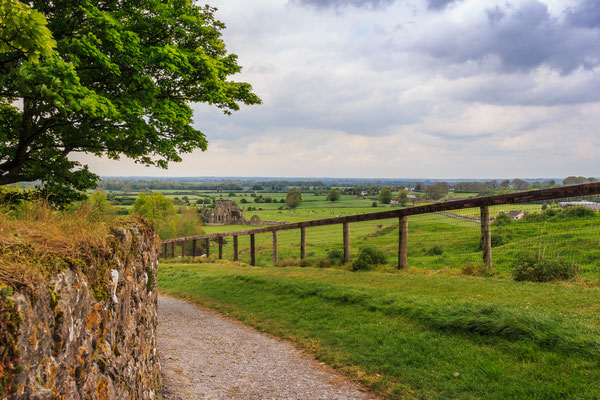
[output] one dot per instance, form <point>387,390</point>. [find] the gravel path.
<point>205,355</point>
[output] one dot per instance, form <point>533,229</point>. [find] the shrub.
<point>534,217</point>
<point>539,268</point>
<point>367,257</point>
<point>578,212</point>
<point>435,250</point>
<point>305,263</point>
<point>550,212</point>
<point>359,265</point>
<point>502,219</point>
<point>335,255</point>
<point>497,239</point>
<point>374,204</point>
<point>324,263</point>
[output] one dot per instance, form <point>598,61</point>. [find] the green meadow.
<point>416,334</point>
<point>435,241</point>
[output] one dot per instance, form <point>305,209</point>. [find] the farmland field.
<point>414,334</point>
<point>435,241</point>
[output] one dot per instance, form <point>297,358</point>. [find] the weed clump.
<point>474,269</point>
<point>335,256</point>
<point>305,263</point>
<point>368,257</point>
<point>435,250</point>
<point>539,268</point>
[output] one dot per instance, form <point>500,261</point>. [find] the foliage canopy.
<point>385,196</point>
<point>106,78</point>
<point>333,195</point>
<point>293,199</point>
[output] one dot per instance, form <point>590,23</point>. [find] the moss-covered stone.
<point>88,326</point>
<point>10,322</point>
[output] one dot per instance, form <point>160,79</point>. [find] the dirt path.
<point>207,356</point>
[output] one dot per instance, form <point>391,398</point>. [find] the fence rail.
<point>483,203</point>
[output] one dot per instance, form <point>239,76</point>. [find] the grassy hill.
<point>417,334</point>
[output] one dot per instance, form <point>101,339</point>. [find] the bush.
<point>359,265</point>
<point>536,268</point>
<point>324,263</point>
<point>335,254</point>
<point>367,257</point>
<point>534,217</point>
<point>305,263</point>
<point>503,219</point>
<point>435,250</point>
<point>578,212</point>
<point>497,240</point>
<point>374,204</point>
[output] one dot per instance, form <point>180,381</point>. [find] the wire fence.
<point>453,236</point>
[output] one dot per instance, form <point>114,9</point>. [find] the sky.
<point>404,89</point>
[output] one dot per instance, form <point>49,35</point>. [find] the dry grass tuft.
<point>37,240</point>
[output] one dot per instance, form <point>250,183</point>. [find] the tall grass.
<point>38,240</point>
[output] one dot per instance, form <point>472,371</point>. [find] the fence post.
<point>235,248</point>
<point>166,250</point>
<point>220,247</point>
<point>403,242</point>
<point>302,243</point>
<point>275,256</point>
<point>252,250</point>
<point>194,247</point>
<point>172,249</point>
<point>207,247</point>
<point>346,242</point>
<point>486,237</point>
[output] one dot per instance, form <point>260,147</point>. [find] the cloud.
<point>405,90</point>
<point>323,4</point>
<point>586,14</point>
<point>439,4</point>
<point>520,38</point>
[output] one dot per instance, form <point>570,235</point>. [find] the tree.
<point>435,192</point>
<point>402,197</point>
<point>293,199</point>
<point>333,195</point>
<point>112,79</point>
<point>385,196</point>
<point>159,209</point>
<point>519,184</point>
<point>168,221</point>
<point>99,207</point>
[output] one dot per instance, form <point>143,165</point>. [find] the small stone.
<point>456,374</point>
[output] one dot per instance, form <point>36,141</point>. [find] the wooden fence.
<point>483,203</point>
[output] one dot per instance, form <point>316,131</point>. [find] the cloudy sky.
<point>406,88</point>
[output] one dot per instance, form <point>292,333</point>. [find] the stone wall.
<point>93,338</point>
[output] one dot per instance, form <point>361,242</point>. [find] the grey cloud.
<point>586,14</point>
<point>323,4</point>
<point>439,4</point>
<point>521,38</point>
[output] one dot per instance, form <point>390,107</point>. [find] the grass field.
<point>435,241</point>
<point>417,335</point>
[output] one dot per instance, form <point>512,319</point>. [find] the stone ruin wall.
<point>73,346</point>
